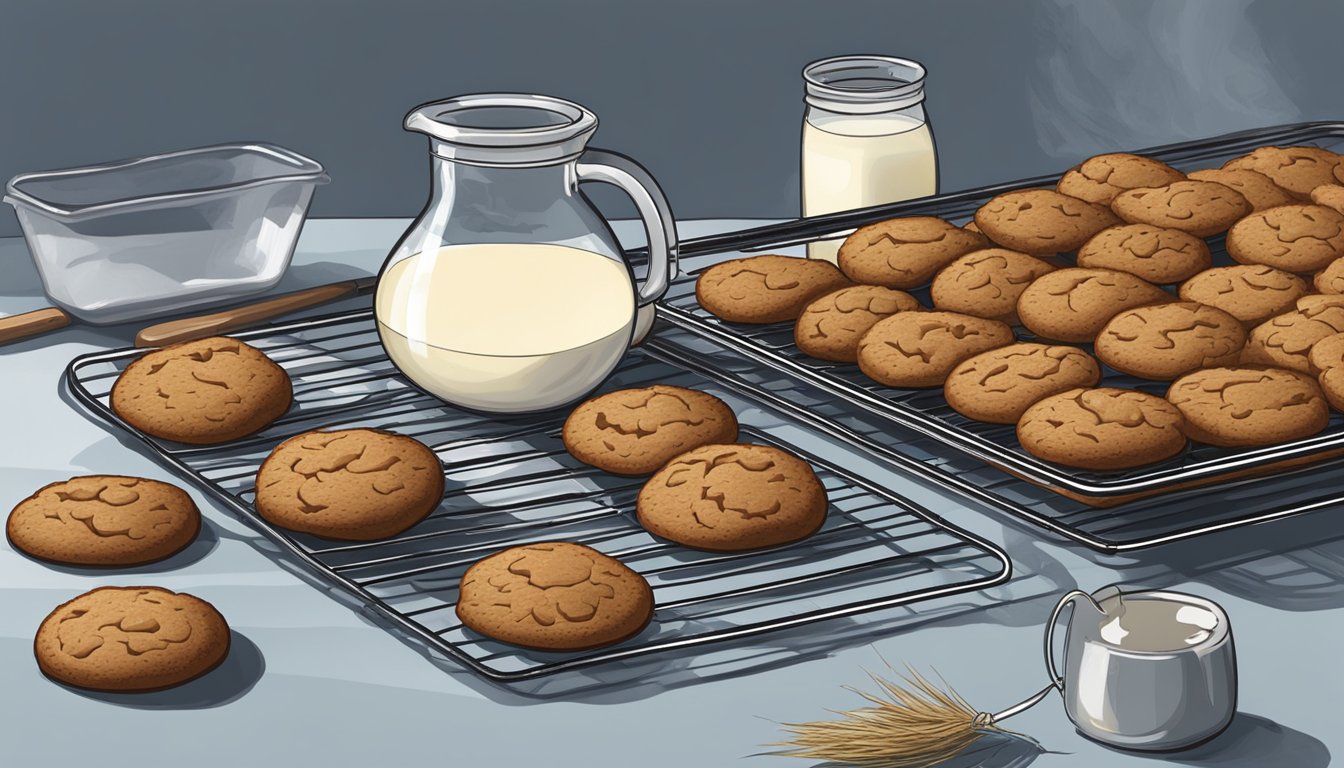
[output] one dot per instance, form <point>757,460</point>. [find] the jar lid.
<point>864,84</point>
<point>504,129</point>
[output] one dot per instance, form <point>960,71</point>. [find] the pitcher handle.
<point>1055,678</point>
<point>661,228</point>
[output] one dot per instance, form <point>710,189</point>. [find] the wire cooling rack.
<point>509,481</point>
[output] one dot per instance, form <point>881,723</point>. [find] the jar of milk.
<point>866,139</point>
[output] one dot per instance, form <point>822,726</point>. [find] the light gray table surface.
<point>312,682</point>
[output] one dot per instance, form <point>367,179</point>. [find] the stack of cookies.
<point>1048,294</point>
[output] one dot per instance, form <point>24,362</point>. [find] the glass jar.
<point>866,139</point>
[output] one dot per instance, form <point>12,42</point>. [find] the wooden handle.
<point>189,328</point>
<point>22,326</point>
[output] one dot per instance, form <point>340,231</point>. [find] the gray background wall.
<point>706,93</point>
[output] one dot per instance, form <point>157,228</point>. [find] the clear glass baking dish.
<point>154,235</point>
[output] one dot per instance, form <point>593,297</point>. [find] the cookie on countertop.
<point>1294,238</point>
<point>131,639</point>
<point>1166,341</point>
<point>1330,195</point>
<point>1155,254</point>
<point>554,596</point>
<point>635,431</point>
<point>765,289</point>
<point>1285,341</point>
<point>105,520</point>
<point>1202,208</point>
<point>1249,406</point>
<point>919,349</point>
<point>1258,189</point>
<point>1099,179</point>
<point>202,392</point>
<point>1073,304</point>
<point>987,283</point>
<point>999,385</point>
<point>1297,169</point>
<point>1041,221</point>
<point>904,252</point>
<point>729,498</point>
<point>349,484</point>
<point>1102,429</point>
<point>831,326</point>
<point>1252,293</point>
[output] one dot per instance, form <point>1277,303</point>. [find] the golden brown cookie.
<point>1252,293</point>
<point>1258,189</point>
<point>636,431</point>
<point>831,326</point>
<point>1073,304</point>
<point>1327,365</point>
<point>1041,221</point>
<point>1294,238</point>
<point>1249,406</point>
<point>1331,279</point>
<point>765,289</point>
<point>206,391</point>
<point>104,520</point>
<point>1202,208</point>
<point>1155,254</point>
<point>1330,195</point>
<point>554,596</point>
<point>970,227</point>
<point>1297,169</point>
<point>349,484</point>
<point>1103,429</point>
<point>730,498</point>
<point>1285,341</point>
<point>905,252</point>
<point>131,639</point>
<point>1167,341</point>
<point>1099,179</point>
<point>1316,302</point>
<point>919,349</point>
<point>999,385</point>
<point>987,283</point>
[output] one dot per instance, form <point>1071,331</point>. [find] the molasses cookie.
<point>206,391</point>
<point>1249,406</point>
<point>1041,221</point>
<point>999,385</point>
<point>554,596</point>
<point>1155,254</point>
<point>1327,363</point>
<point>349,484</point>
<point>1294,238</point>
<point>1102,429</point>
<point>987,283</point>
<point>104,520</point>
<point>1331,279</point>
<point>131,639</point>
<point>1285,341</point>
<point>1202,208</point>
<point>1297,169</point>
<point>1258,189</point>
<point>1099,179</point>
<point>919,349</point>
<point>905,252</point>
<point>765,289</point>
<point>831,326</point>
<point>1330,195</point>
<point>636,431</point>
<point>1166,341</point>
<point>1316,302</point>
<point>1073,304</point>
<point>1252,293</point>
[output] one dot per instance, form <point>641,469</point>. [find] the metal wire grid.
<point>510,481</point>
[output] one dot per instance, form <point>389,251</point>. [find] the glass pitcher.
<point>510,293</point>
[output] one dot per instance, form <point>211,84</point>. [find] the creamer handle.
<point>621,171</point>
<point>1055,679</point>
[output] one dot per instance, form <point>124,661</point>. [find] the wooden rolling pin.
<point>15,327</point>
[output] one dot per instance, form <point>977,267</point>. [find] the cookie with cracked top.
<point>1316,302</point>
<point>1165,341</point>
<point>1331,279</point>
<point>1294,238</point>
<point>1327,364</point>
<point>635,431</point>
<point>105,520</point>
<point>1102,429</point>
<point>1330,195</point>
<point>1099,179</point>
<point>1258,189</point>
<point>1252,293</point>
<point>999,385</point>
<point>554,596</point>
<point>765,289</point>
<point>919,349</point>
<point>131,639</point>
<point>730,498</point>
<point>1297,169</point>
<point>1285,341</point>
<point>987,283</point>
<point>1041,221</point>
<point>831,326</point>
<point>202,392</point>
<point>904,252</point>
<point>1073,304</point>
<point>1155,254</point>
<point>1202,208</point>
<point>349,484</point>
<point>1249,406</point>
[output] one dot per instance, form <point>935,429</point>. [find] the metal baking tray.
<point>510,481</point>
<point>926,411</point>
